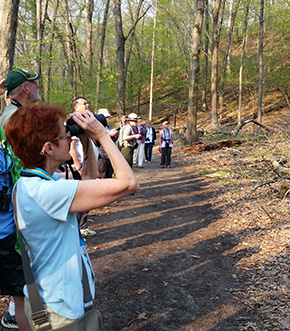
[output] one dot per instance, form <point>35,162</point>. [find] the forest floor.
<point>201,246</point>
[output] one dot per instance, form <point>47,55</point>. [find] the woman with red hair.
<point>47,205</point>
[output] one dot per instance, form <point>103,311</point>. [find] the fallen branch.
<point>279,168</point>
<point>268,182</point>
<point>255,122</point>
<point>210,147</point>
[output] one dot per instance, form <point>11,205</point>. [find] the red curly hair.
<point>29,128</point>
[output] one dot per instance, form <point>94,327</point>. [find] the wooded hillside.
<point>102,49</point>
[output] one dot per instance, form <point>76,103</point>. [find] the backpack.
<point>16,169</point>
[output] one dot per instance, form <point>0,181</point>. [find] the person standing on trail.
<point>138,156</point>
<point>21,90</point>
<point>83,150</point>
<point>47,205</point>
<point>104,165</point>
<point>128,139</point>
<point>149,141</point>
<point>166,145</point>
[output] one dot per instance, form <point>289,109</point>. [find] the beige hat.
<point>104,111</point>
<point>132,117</point>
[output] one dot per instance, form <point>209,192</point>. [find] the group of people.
<point>136,141</point>
<point>47,204</point>
<point>58,177</point>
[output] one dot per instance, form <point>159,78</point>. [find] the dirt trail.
<point>161,256</point>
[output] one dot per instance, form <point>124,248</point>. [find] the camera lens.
<point>76,130</point>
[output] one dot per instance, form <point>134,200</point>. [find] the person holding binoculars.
<point>47,205</point>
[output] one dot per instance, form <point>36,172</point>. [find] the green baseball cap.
<point>18,76</point>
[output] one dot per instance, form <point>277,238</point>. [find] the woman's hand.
<point>92,127</point>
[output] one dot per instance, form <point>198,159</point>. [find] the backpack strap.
<point>16,169</point>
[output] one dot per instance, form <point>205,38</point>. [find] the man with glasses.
<point>22,89</point>
<point>83,150</point>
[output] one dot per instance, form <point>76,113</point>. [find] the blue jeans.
<point>148,151</point>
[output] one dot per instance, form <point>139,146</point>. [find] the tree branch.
<point>134,25</point>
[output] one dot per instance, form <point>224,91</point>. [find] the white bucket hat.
<point>132,117</point>
<point>104,111</point>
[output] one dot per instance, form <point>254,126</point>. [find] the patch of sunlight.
<point>219,174</point>
<point>214,317</point>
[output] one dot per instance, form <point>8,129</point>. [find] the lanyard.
<point>36,172</point>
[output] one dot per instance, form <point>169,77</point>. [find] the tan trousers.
<point>55,320</point>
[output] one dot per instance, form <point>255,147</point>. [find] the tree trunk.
<point>214,68</point>
<point>227,58</point>
<point>261,71</point>
<point>69,42</point>
<point>121,54</point>
<point>49,64</point>
<point>191,135</point>
<point>90,9</point>
<point>120,58</point>
<point>100,62</point>
<point>152,63</point>
<point>8,26</point>
<point>41,10</point>
<point>9,22</point>
<point>132,32</point>
<point>206,55</point>
<point>140,78</point>
<point>241,66</point>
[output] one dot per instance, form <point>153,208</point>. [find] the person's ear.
<point>48,148</point>
<point>25,89</point>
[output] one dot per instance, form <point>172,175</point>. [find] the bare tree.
<point>227,58</point>
<point>8,24</point>
<point>90,10</point>
<point>101,54</point>
<point>120,57</point>
<point>130,40</point>
<point>261,69</point>
<point>216,26</point>
<point>241,66</point>
<point>9,21</point>
<point>41,10</point>
<point>152,62</point>
<point>121,38</point>
<point>206,48</point>
<point>191,135</point>
<point>72,66</point>
<point>50,46</point>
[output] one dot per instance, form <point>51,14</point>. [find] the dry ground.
<point>197,248</point>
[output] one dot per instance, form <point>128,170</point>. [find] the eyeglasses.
<point>63,136</point>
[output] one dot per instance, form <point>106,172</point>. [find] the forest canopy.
<point>75,44</point>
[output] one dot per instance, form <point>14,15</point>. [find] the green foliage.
<point>172,51</point>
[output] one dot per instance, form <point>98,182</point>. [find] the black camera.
<point>76,130</point>
<point>5,199</point>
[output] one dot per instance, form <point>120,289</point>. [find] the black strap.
<point>16,103</point>
<point>86,289</point>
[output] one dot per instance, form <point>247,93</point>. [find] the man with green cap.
<point>22,89</point>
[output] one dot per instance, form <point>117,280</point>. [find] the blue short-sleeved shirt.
<point>52,236</point>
